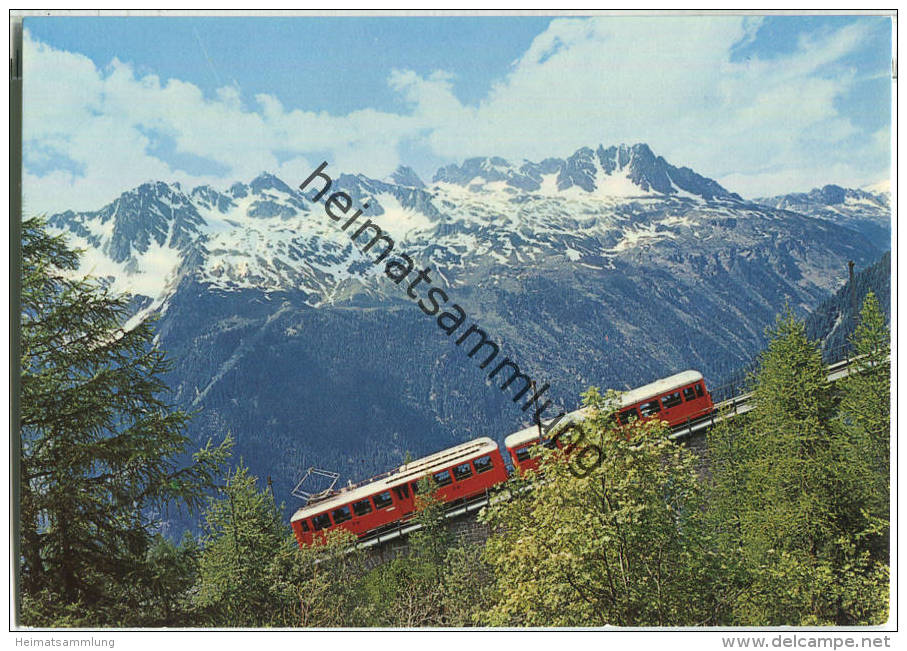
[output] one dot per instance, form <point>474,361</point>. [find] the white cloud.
<point>671,82</point>
<point>758,126</point>
<point>105,123</point>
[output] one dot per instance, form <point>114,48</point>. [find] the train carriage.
<point>678,399</point>
<point>458,473</point>
<point>470,469</point>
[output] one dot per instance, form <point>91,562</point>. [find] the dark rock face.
<point>285,334</point>
<point>404,175</point>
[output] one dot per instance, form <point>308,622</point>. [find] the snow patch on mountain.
<point>399,220</point>
<point>475,219</point>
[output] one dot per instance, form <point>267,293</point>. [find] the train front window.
<point>670,400</point>
<point>688,394</point>
<point>463,471</point>
<point>443,478</point>
<point>362,507</point>
<point>342,514</point>
<point>304,525</point>
<point>483,464</point>
<point>522,454</point>
<point>625,416</point>
<point>649,408</point>
<point>699,390</point>
<point>382,500</point>
<point>320,522</point>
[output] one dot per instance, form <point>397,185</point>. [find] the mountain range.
<point>610,267</point>
<point>867,210</point>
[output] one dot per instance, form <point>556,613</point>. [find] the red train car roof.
<point>405,473</point>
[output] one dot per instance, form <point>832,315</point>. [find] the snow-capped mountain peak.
<point>618,171</point>
<point>485,216</point>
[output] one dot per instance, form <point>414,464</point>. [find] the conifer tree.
<point>865,430</point>
<point>785,488</point>
<point>866,401</point>
<point>243,531</point>
<point>789,440</point>
<point>99,443</point>
<point>173,573</point>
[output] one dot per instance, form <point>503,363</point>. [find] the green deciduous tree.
<point>468,583</point>
<point>409,591</point>
<point>430,543</point>
<point>627,544</point>
<point>99,444</point>
<point>321,585</point>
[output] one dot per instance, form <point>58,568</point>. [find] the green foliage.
<point>800,486</point>
<point>865,412</point>
<point>319,585</point>
<point>409,591</point>
<point>404,593</point>
<point>252,573</point>
<point>173,573</point>
<point>626,544</point>
<point>436,583</point>
<point>431,542</point>
<point>243,531</point>
<point>790,527</point>
<point>99,446</point>
<point>790,501</point>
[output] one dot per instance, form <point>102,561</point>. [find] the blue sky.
<point>764,105</point>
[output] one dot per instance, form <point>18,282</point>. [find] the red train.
<point>469,469</point>
<point>677,399</point>
<point>460,473</point>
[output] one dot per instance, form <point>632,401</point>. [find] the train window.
<point>415,486</point>
<point>548,444</point>
<point>304,525</point>
<point>382,500</point>
<point>320,522</point>
<point>625,416</point>
<point>362,507</point>
<point>649,408</point>
<point>443,478</point>
<point>670,400</point>
<point>688,394</point>
<point>483,464</point>
<point>699,390</point>
<point>342,514</point>
<point>402,492</point>
<point>463,471</point>
<point>521,455</point>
